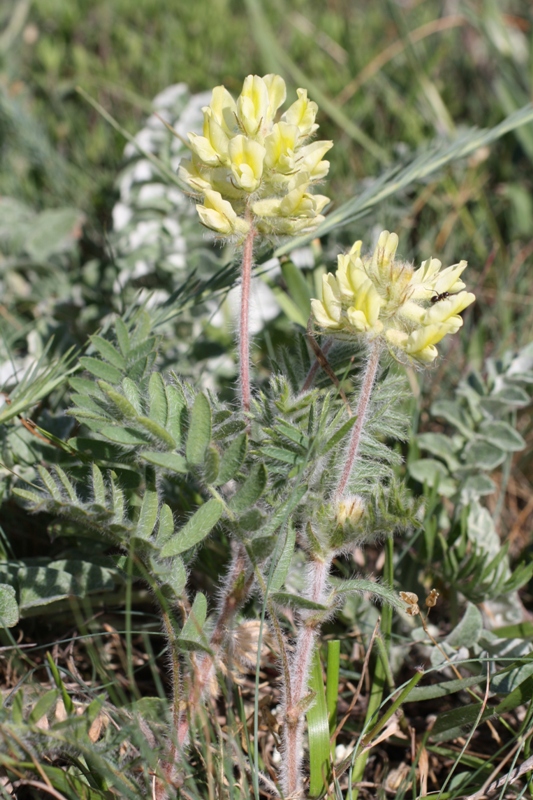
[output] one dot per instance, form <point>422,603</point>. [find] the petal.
<point>277,92</point>
<point>321,316</point>
<point>224,109</point>
<point>331,297</point>
<point>203,148</point>
<point>253,104</point>
<point>448,279</point>
<point>302,113</point>
<point>449,307</point>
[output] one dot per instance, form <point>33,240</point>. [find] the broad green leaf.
<point>158,399</point>
<point>232,459</point>
<point>9,611</point>
<point>40,586</point>
<point>101,370</point>
<point>452,412</point>
<point>513,396</point>
<point>192,636</point>
<point>469,629</point>
<point>170,461</point>
<point>252,489</point>
<point>439,445</point>
<point>196,529</point>
<point>434,474</point>
<point>476,486</point>
<point>296,601</point>
<point>483,455</point>
<point>502,435</point>
<point>109,352</point>
<point>199,434</point>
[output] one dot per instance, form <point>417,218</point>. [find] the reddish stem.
<point>362,407</point>
<point>244,332</point>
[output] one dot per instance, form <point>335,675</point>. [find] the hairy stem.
<point>297,690</point>
<point>244,325</point>
<point>379,677</point>
<point>234,594</point>
<point>367,385</point>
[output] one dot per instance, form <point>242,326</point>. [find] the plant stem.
<point>235,593</point>
<point>362,407</point>
<point>299,679</point>
<point>379,677</point>
<point>244,326</point>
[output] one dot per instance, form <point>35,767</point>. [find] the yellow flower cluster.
<point>376,296</point>
<point>249,169</point>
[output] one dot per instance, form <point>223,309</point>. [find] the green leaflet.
<point>148,515</point>
<point>196,529</point>
<point>284,559</point>
<point>109,352</point>
<point>173,462</point>
<point>9,611</point>
<point>158,399</point>
<point>199,431</point>
<point>296,601</point>
<point>192,636</point>
<point>101,370</point>
<point>232,459</point>
<point>251,490</point>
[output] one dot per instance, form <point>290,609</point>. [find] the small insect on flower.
<point>411,600</point>
<point>439,296</point>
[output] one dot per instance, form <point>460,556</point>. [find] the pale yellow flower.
<point>381,297</point>
<point>264,168</point>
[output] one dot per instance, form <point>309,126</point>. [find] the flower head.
<point>262,167</point>
<point>378,296</point>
